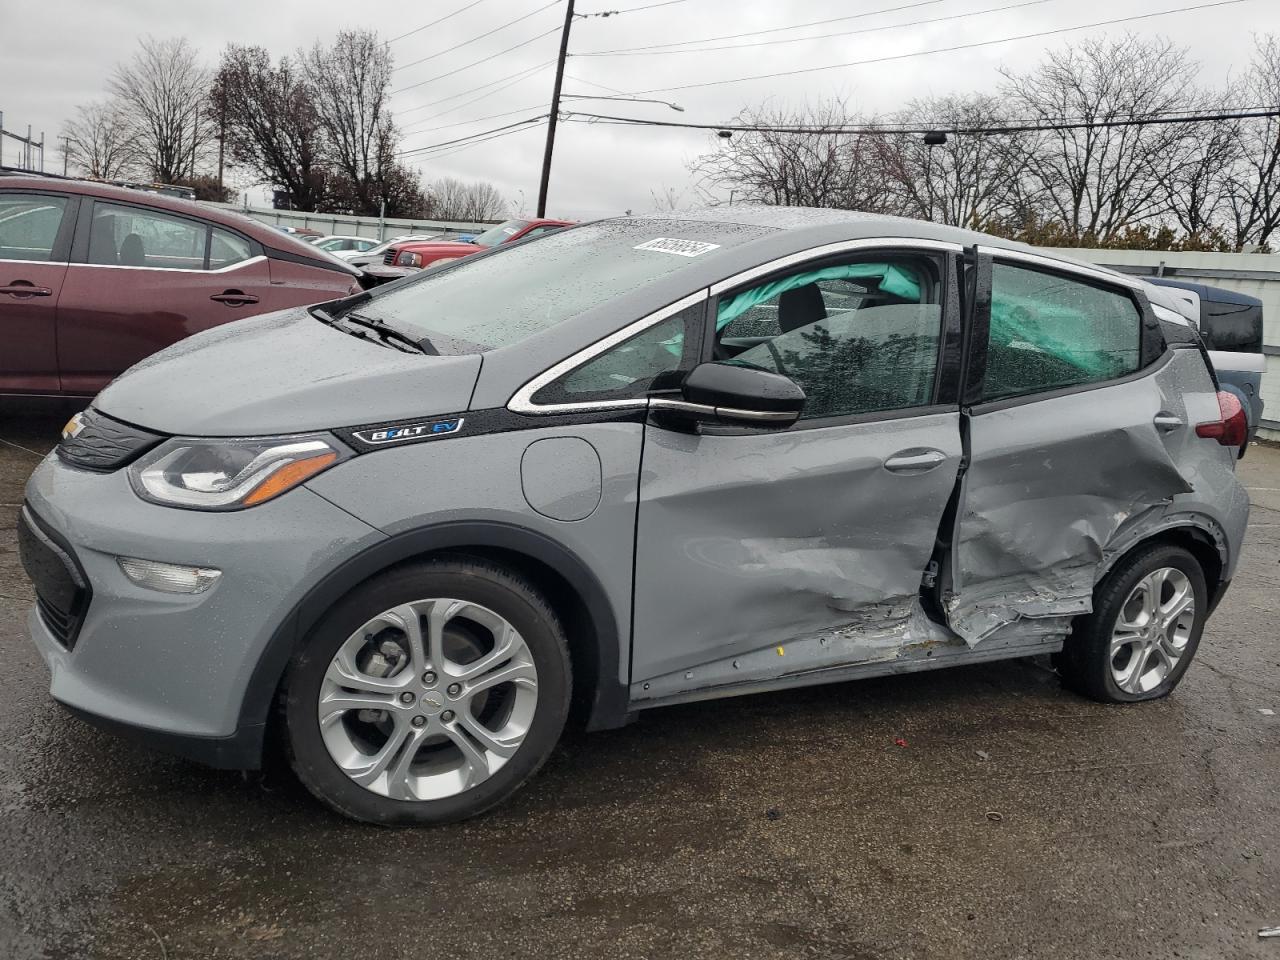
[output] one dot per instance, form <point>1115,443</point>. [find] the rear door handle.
<point>1167,421</point>
<point>234,298</point>
<point>21,288</point>
<point>915,460</point>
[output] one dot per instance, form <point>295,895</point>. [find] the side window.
<point>1049,332</point>
<point>227,248</point>
<point>632,368</point>
<point>29,225</point>
<point>132,237</point>
<point>857,338</point>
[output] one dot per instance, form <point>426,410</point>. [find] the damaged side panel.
<point>748,541</point>
<point>1055,485</point>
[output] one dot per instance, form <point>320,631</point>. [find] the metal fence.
<point>376,228</point>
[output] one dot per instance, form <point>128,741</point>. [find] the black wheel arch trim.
<point>609,700</point>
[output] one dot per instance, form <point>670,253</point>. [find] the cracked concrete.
<point>784,825</point>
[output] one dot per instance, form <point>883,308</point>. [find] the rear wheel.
<point>428,694</point>
<point>1147,618</point>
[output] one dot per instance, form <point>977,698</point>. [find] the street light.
<point>583,96</point>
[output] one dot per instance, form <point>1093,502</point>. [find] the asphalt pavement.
<point>982,812</point>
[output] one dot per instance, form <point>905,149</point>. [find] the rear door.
<point>764,553</point>
<point>143,278</point>
<point>35,236</point>
<point>1069,429</point>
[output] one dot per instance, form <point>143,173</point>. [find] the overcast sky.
<point>599,169</point>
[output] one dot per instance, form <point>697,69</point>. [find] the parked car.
<point>640,462</point>
<point>93,278</point>
<point>1231,325</point>
<point>374,254</point>
<point>402,259</point>
<point>335,244</point>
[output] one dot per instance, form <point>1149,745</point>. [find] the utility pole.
<point>555,111</point>
<point>66,148</point>
<point>222,133</point>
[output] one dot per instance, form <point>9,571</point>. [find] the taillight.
<point>1232,430</point>
<point>408,259</point>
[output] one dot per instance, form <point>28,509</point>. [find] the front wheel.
<point>428,694</point>
<point>1148,614</point>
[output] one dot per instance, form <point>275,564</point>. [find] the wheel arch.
<point>569,585</point>
<point>1198,534</point>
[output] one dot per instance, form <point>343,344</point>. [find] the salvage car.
<point>94,277</point>
<point>639,462</point>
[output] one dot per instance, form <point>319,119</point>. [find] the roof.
<point>1206,292</point>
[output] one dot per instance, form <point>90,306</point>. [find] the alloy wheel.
<point>428,699</point>
<point>1153,628</point>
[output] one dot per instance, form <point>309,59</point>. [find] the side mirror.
<point>729,394</point>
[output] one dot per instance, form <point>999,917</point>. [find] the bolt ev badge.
<point>409,431</point>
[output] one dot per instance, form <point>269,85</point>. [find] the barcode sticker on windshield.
<point>681,248</point>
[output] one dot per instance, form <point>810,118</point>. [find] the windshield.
<point>498,299</point>
<point>501,233</point>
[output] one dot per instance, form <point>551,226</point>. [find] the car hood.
<point>284,372</point>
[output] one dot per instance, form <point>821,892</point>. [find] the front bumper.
<point>175,668</point>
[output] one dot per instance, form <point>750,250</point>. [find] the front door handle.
<point>234,298</point>
<point>915,460</point>
<point>24,288</point>
<point>1167,421</point>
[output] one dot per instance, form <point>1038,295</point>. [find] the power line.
<point>925,53</point>
<point>492,116</point>
<point>454,96</point>
<point>614,13</point>
<point>440,155</point>
<point>592,83</point>
<point>494,56</point>
<point>472,136</point>
<point>487,33</point>
<point>447,16</point>
<point>1188,116</point>
<point>820,36</point>
<point>523,76</point>
<point>760,33</point>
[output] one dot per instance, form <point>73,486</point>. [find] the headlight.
<point>231,474</point>
<point>408,259</point>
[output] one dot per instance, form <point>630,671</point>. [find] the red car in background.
<point>403,259</point>
<point>93,278</point>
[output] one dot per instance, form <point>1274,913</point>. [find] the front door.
<point>761,554</point>
<point>35,234</point>
<point>146,279</point>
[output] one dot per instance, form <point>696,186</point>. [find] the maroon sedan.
<point>93,278</point>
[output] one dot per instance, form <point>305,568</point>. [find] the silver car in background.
<point>640,462</point>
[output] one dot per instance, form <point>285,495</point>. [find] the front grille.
<point>389,258</point>
<point>62,590</point>
<point>103,443</point>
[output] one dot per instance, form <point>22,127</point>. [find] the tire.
<point>361,700</point>
<point>1104,656</point>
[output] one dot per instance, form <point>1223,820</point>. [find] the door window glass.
<point>857,338</point>
<point>630,369</point>
<point>1049,332</point>
<point>227,248</point>
<point>29,225</point>
<point>132,237</point>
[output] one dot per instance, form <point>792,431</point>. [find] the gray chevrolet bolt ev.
<point>634,463</point>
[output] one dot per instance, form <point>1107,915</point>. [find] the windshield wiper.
<point>388,332</point>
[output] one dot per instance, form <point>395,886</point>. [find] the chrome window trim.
<point>120,266</point>
<point>522,400</point>
<point>686,406</point>
<point>829,249</point>
<point>1065,266</point>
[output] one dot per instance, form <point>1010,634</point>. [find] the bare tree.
<point>271,124</point>
<point>162,92</point>
<point>453,199</point>
<point>1254,187</point>
<point>1097,180</point>
<point>99,141</point>
<point>968,181</point>
<point>1198,189</point>
<point>818,166</point>
<point>351,82</point>
<point>667,200</point>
